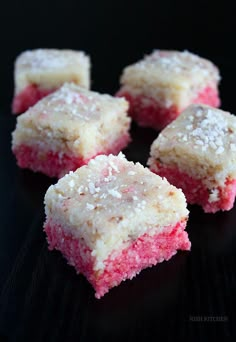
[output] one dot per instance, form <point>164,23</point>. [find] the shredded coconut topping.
<point>78,102</point>
<point>114,193</point>
<point>90,206</point>
<point>167,67</point>
<point>109,214</point>
<point>171,78</point>
<point>208,129</point>
<point>174,61</point>
<point>131,173</point>
<point>50,58</point>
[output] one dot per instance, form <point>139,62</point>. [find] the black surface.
<point>189,298</point>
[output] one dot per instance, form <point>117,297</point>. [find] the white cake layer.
<point>50,68</point>
<point>111,202</point>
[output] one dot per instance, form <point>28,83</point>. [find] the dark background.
<point>116,33</point>
<point>191,297</point>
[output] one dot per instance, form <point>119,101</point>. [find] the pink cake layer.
<point>53,164</point>
<point>196,192</point>
<point>149,113</point>
<point>29,97</point>
<point>143,252</point>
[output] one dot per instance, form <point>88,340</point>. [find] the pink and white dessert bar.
<point>197,153</point>
<point>112,218</point>
<point>42,71</point>
<point>66,129</point>
<point>163,84</point>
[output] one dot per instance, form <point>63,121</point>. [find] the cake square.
<point>40,72</point>
<point>164,83</point>
<point>67,128</point>
<point>197,153</point>
<point>112,218</point>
